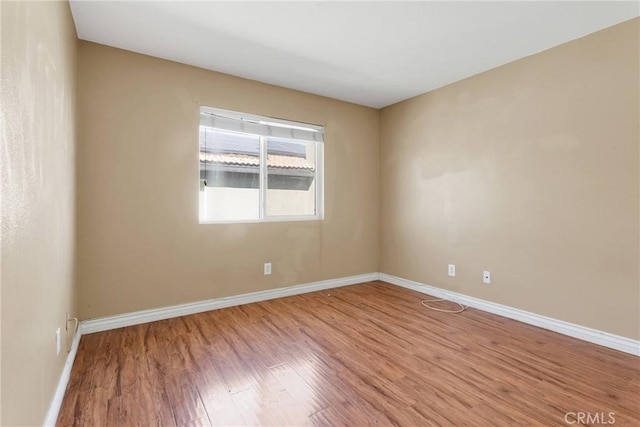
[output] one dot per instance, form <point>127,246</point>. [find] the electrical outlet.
<point>267,268</point>
<point>57,341</point>
<point>452,270</point>
<point>486,277</point>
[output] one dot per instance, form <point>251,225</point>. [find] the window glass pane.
<point>291,177</point>
<point>229,175</point>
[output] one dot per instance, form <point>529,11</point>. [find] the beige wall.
<point>38,93</point>
<point>139,242</point>
<point>530,171</point>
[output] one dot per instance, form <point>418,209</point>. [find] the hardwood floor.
<point>367,354</point>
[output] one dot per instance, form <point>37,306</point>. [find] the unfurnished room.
<point>319,213</point>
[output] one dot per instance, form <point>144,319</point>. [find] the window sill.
<point>291,218</point>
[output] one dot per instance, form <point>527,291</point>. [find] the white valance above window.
<point>260,125</point>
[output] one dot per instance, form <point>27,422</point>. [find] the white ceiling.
<point>369,53</point>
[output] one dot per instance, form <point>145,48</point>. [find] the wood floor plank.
<point>367,354</point>
<point>186,404</point>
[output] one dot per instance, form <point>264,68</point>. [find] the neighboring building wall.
<point>531,171</point>
<point>38,96</point>
<point>291,202</point>
<point>228,203</point>
<point>222,203</point>
<point>139,242</point>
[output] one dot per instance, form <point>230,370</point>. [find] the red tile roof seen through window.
<point>273,160</point>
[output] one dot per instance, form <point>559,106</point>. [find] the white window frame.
<point>319,168</point>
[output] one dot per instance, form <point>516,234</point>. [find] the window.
<point>255,168</point>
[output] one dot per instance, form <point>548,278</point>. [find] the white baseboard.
<point>595,336</point>
<point>56,402</point>
<point>605,339</point>
<point>145,316</point>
